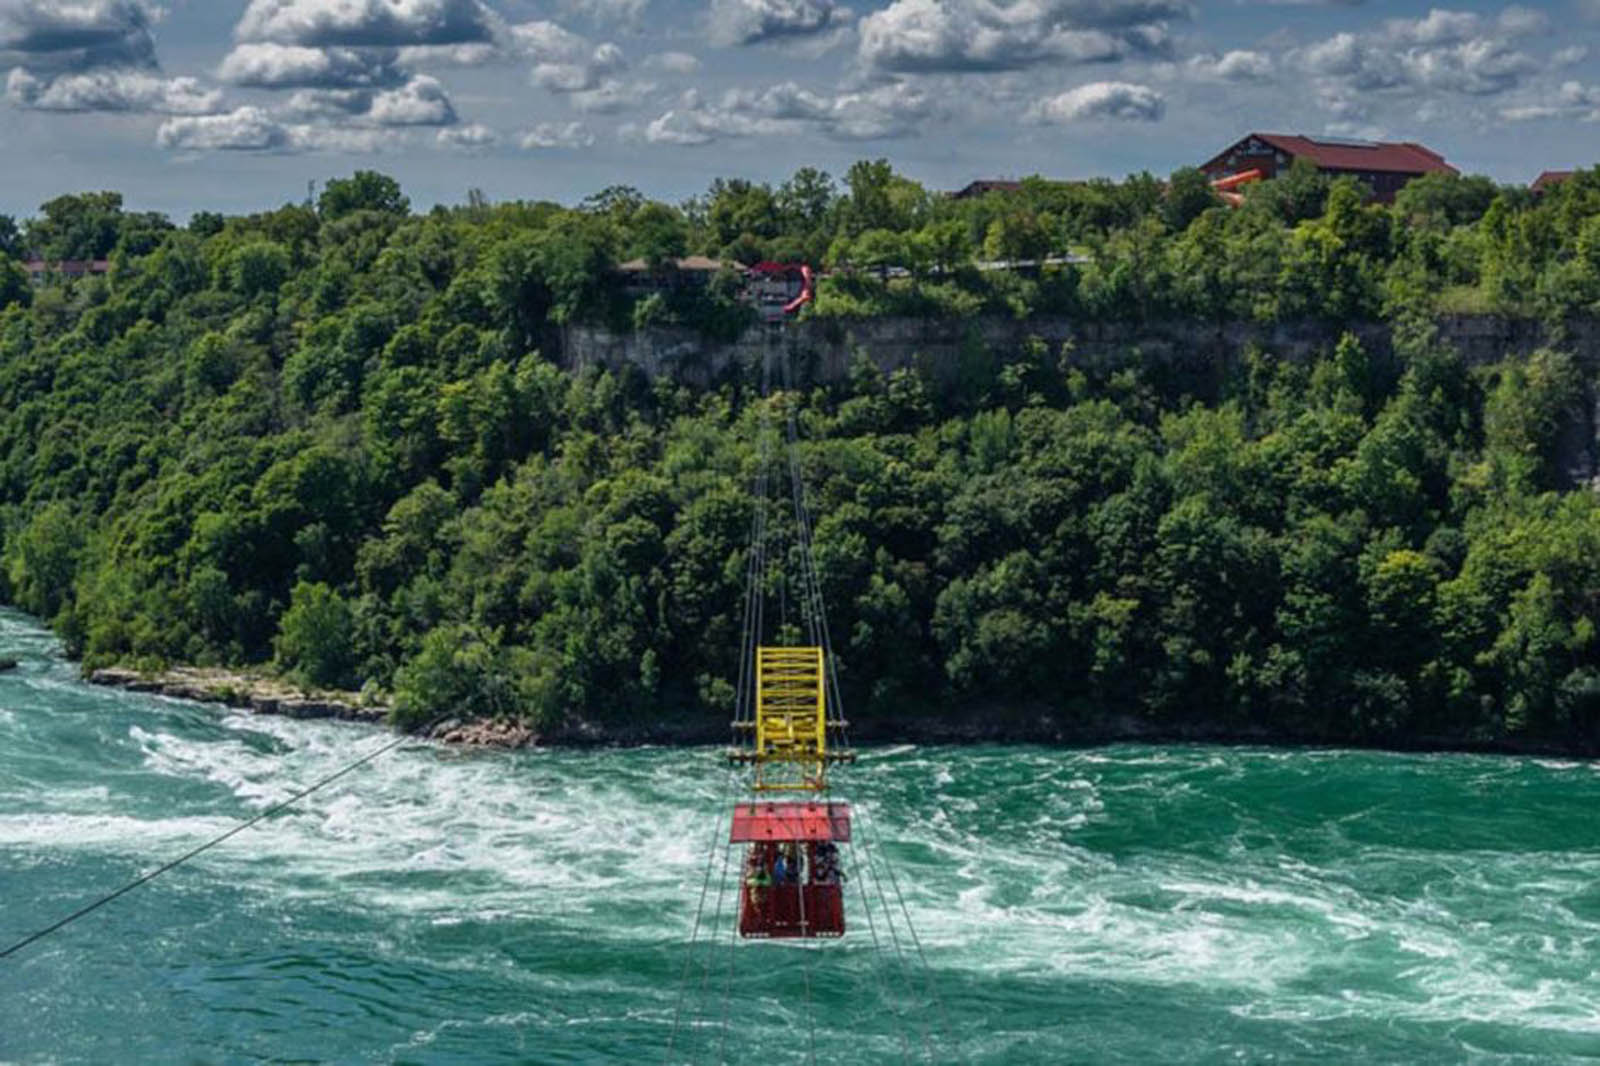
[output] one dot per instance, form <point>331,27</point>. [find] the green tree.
<point>365,190</point>
<point>315,637</point>
<point>1189,195</point>
<point>81,226</point>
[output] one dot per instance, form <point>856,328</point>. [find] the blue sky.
<point>235,105</point>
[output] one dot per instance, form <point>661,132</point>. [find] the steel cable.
<point>322,783</point>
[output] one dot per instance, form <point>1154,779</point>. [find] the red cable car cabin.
<point>791,884</point>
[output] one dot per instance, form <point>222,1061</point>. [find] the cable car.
<point>792,877</point>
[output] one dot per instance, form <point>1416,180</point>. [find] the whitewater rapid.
<point>1119,905</point>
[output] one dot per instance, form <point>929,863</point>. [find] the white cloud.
<point>608,12</point>
<point>546,41</point>
<point>1478,67</point>
<point>1449,52</point>
<point>735,22</point>
<point>252,129</point>
<point>887,111</point>
<point>421,101</point>
<point>540,40</point>
<point>343,140</point>
<point>557,135</point>
<point>367,23</point>
<point>956,35</point>
<point>66,35</point>
<point>247,129</point>
<point>111,90</point>
<point>1522,21</point>
<point>284,66</point>
<point>1570,56</point>
<point>472,54</point>
<point>90,55</point>
<point>681,127</point>
<point>1572,100</point>
<point>475,137</point>
<point>611,96</point>
<point>1352,61</point>
<point>590,73</point>
<point>673,62</point>
<point>882,112</point>
<point>1439,26</point>
<point>1117,100</point>
<point>1239,65</point>
<point>328,103</point>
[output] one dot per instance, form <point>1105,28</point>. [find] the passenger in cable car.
<point>757,878</point>
<point>826,870</point>
<point>786,871</point>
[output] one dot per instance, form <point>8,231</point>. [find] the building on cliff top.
<point>1384,167</point>
<point>985,186</point>
<point>689,272</point>
<point>1549,180</point>
<point>40,270</point>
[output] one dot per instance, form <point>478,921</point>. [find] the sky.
<point>236,105</point>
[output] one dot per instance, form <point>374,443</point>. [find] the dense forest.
<point>332,438</point>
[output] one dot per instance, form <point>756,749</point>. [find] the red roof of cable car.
<point>756,822</point>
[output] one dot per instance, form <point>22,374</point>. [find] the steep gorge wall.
<point>1201,348</point>
<point>1197,353</point>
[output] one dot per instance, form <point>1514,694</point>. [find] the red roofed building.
<point>39,270</point>
<point>1384,167</point>
<point>1549,180</point>
<point>985,186</point>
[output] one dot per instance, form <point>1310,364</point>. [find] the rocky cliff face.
<point>1198,354</point>
<point>828,345</point>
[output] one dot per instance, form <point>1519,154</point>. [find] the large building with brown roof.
<point>1549,180</point>
<point>1384,167</point>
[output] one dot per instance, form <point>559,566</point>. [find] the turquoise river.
<point>1126,904</point>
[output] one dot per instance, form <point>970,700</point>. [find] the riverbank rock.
<point>245,692</point>
<point>497,733</point>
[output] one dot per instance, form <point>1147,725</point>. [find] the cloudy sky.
<point>237,104</point>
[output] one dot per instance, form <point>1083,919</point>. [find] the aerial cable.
<point>711,944</point>
<point>85,911</point>
<point>750,638</point>
<point>819,625</point>
<point>877,951</point>
<point>727,988</point>
<point>816,624</point>
<point>688,955</point>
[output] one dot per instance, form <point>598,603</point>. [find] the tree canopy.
<point>336,441</point>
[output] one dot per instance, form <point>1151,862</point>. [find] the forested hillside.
<point>327,438</point>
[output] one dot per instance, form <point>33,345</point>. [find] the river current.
<point>1126,904</point>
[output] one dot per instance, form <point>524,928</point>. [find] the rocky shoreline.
<point>258,694</point>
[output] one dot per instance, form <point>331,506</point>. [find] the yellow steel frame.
<point>791,753</point>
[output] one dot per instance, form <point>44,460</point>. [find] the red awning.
<point>754,822</point>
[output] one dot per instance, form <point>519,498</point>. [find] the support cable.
<point>711,943</point>
<point>816,623</point>
<point>321,783</point>
<point>750,637</point>
<point>754,630</point>
<point>800,888</point>
<point>883,987</point>
<point>805,967</point>
<point>817,607</point>
<point>694,934</point>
